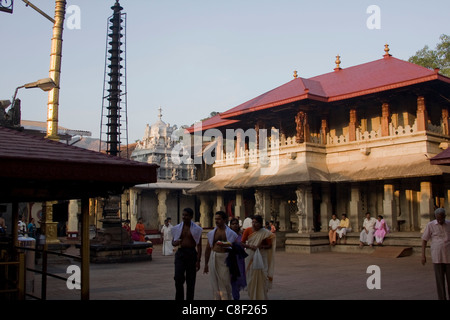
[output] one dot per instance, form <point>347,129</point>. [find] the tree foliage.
<point>437,58</point>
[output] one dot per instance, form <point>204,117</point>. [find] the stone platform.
<point>318,242</point>
<point>137,251</point>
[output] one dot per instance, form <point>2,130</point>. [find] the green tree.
<point>437,58</point>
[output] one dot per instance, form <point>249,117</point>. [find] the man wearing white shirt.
<point>366,235</point>
<point>166,232</point>
<point>332,228</point>
<point>438,231</point>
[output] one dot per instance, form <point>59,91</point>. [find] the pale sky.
<point>195,57</point>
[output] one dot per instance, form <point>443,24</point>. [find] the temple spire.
<point>160,113</point>
<point>295,74</point>
<point>338,63</point>
<point>386,50</point>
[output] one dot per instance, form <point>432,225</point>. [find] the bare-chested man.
<point>187,236</point>
<point>219,241</point>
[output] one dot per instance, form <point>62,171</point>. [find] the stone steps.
<point>318,242</point>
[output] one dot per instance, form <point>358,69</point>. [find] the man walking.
<point>166,232</point>
<point>219,241</point>
<point>438,231</point>
<point>187,235</point>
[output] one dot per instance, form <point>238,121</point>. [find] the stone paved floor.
<point>320,276</point>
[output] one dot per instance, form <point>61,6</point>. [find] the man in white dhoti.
<point>166,232</point>
<point>219,241</point>
<point>366,235</point>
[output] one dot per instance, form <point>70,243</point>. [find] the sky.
<point>193,57</point>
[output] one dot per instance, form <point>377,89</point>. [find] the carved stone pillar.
<point>324,130</point>
<point>48,227</point>
<point>205,220</point>
<point>356,215</point>
<point>239,206</point>
<point>352,125</point>
<point>385,113</point>
<point>220,206</point>
<point>426,204</point>
<point>445,122</point>
<point>162,206</point>
<point>72,223</point>
<point>305,209</point>
<point>389,212</point>
<point>258,202</point>
<point>422,115</point>
<point>301,120</point>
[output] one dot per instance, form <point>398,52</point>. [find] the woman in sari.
<point>380,230</point>
<point>140,230</point>
<point>260,245</point>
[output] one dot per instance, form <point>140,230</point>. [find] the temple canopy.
<point>38,169</point>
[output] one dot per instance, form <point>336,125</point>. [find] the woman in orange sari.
<point>140,230</point>
<point>260,245</point>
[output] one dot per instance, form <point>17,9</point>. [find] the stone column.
<point>352,125</point>
<point>220,206</point>
<point>48,227</point>
<point>205,219</point>
<point>356,215</point>
<point>135,200</point>
<point>72,223</point>
<point>385,113</point>
<point>284,219</point>
<point>325,208</point>
<point>305,209</point>
<point>162,207</point>
<point>239,206</point>
<point>266,212</point>
<point>389,212</point>
<point>258,202</point>
<point>426,204</point>
<point>422,116</point>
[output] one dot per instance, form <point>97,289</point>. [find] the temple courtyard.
<point>298,276</point>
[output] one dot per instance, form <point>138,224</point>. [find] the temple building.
<point>168,196</point>
<point>354,140</point>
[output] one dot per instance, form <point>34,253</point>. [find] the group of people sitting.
<point>374,230</point>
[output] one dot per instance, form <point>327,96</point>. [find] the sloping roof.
<point>408,166</point>
<point>376,76</point>
<point>33,168</point>
<point>213,122</point>
<point>442,158</point>
<point>283,175</point>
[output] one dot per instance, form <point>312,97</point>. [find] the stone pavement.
<point>319,276</point>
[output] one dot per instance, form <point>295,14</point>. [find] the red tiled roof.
<point>442,158</point>
<point>213,122</point>
<point>376,76</point>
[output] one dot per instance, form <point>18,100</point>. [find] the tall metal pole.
<point>55,70</point>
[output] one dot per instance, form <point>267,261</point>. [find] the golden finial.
<point>386,50</point>
<point>338,62</point>
<point>295,74</point>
